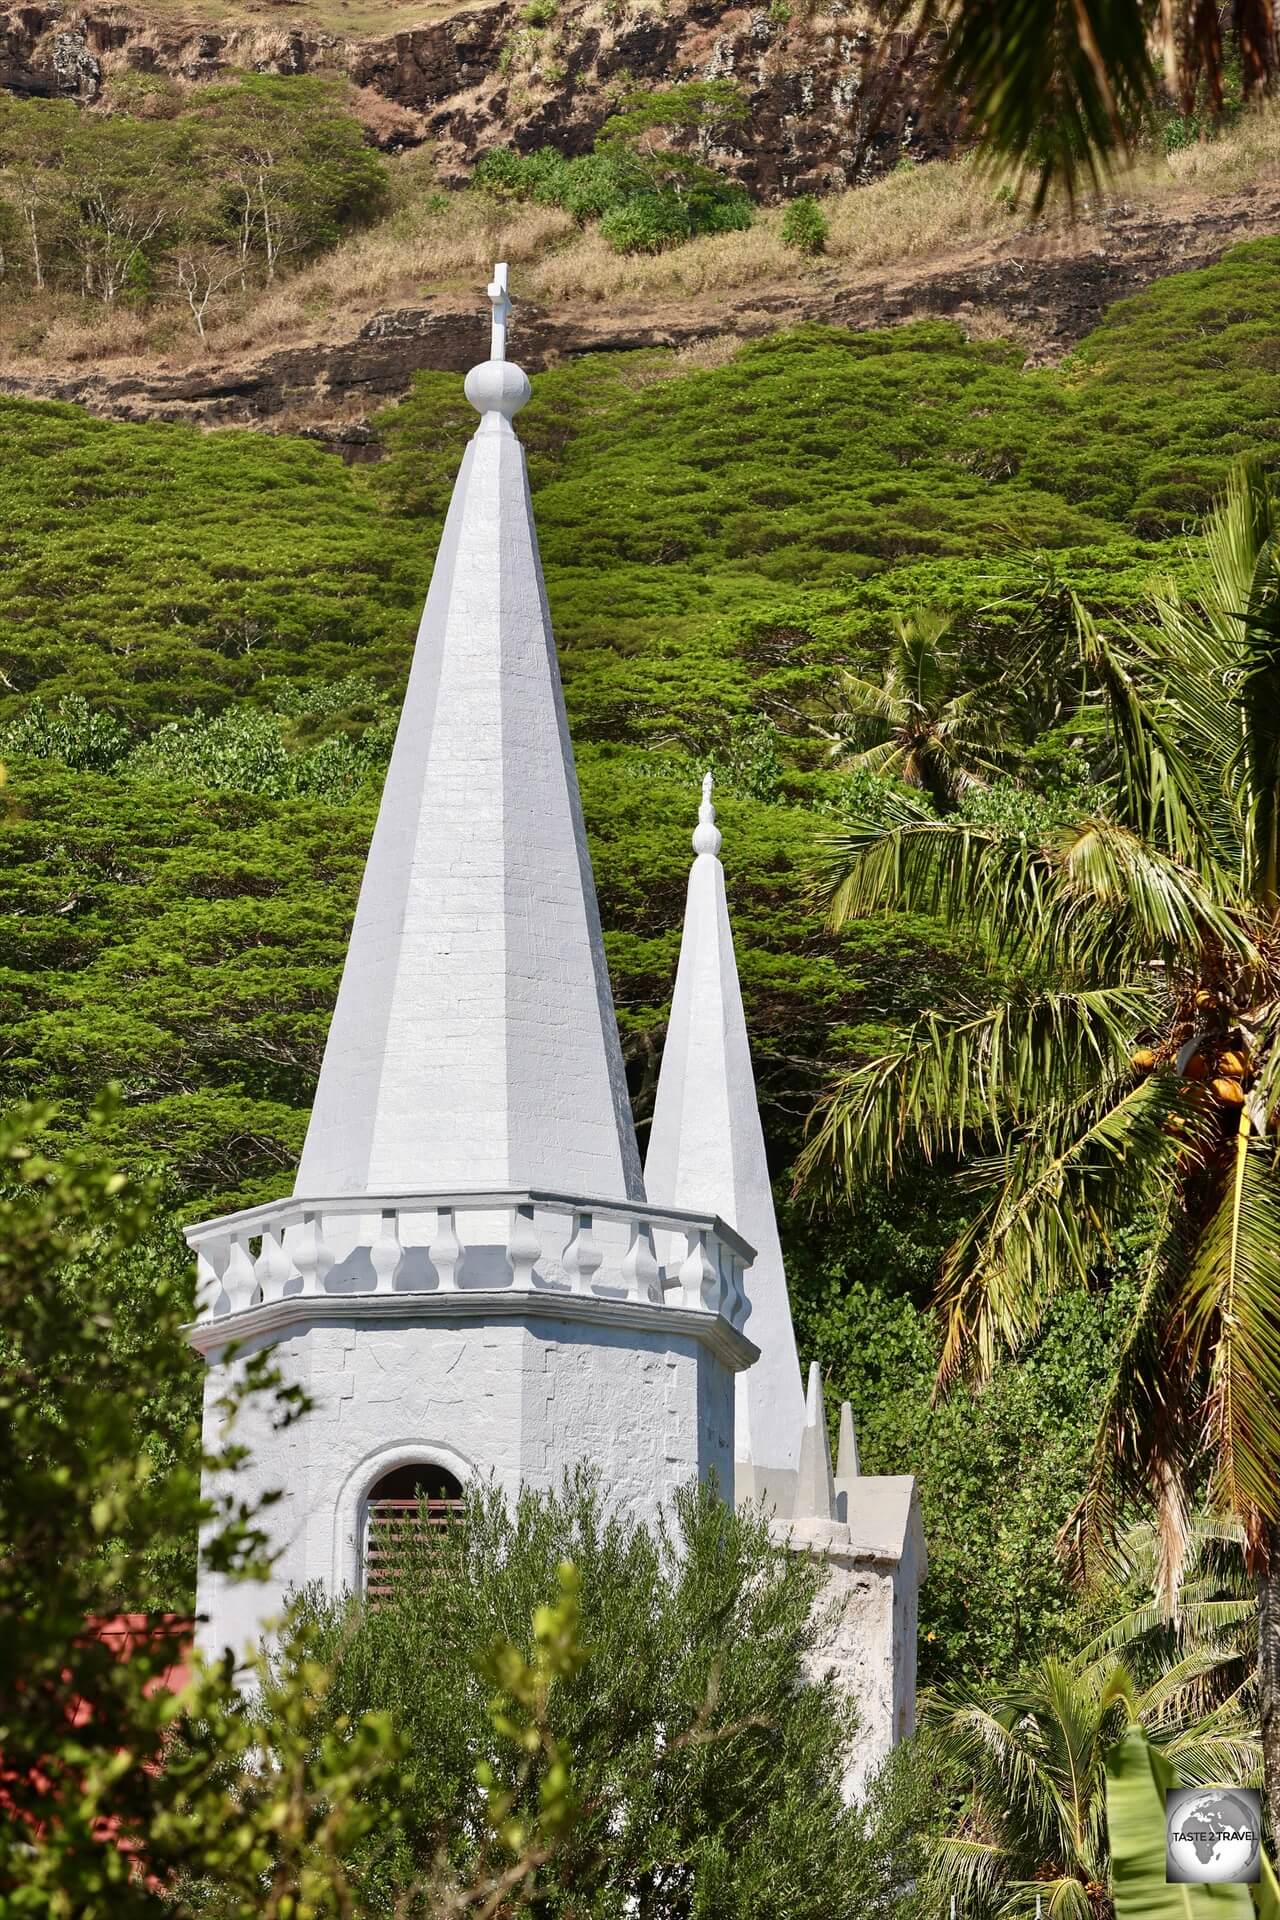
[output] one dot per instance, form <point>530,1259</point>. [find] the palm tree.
<point>1201,1658</point>
<point>1065,87</point>
<point>1126,1075</point>
<point>915,723</point>
<point>1033,1760</point>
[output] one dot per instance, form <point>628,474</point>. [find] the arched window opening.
<point>405,1508</point>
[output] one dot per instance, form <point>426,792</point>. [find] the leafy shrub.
<point>1180,131</point>
<point>246,750</point>
<point>646,197</point>
<point>804,226</point>
<point>538,13</point>
<point>750,763</point>
<point>641,208</point>
<point>71,732</point>
<point>647,224</point>
<point>705,1758</point>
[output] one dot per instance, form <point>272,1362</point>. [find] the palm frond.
<point>866,700</point>
<point>1060,80</point>
<point>971,1869</point>
<point>1060,1187</point>
<point>1232,1309</point>
<point>1206,1679</point>
<point>1146,1433</point>
<point>1170,909</point>
<point>1082,907</point>
<point>885,758</point>
<point>1209,1752</point>
<point>952,1083</point>
<point>1161,793</point>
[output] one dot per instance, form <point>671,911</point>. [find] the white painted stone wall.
<point>516,1399</point>
<point>876,1563</point>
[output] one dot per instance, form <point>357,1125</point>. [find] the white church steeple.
<point>707,1140</point>
<point>468,1282</point>
<point>474,1042</point>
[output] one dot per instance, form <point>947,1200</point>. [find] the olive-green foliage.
<point>705,1761</point>
<point>235,183</point>
<point>999,1474</point>
<point>804,226</point>
<point>217,627</point>
<point>106,1772</point>
<point>646,194</point>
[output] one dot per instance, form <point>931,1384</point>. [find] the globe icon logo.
<point>1213,1835</point>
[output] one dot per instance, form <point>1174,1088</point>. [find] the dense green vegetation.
<point>90,1323</point>
<point>183,848</point>
<point>646,193</point>
<point>179,195</point>
<point>705,1763</point>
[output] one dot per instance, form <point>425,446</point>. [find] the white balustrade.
<point>400,1245</point>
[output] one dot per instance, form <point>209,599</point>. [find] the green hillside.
<point>204,639</point>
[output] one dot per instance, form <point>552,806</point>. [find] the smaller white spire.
<point>815,1486</point>
<point>707,837</point>
<point>706,1150</point>
<point>847,1467</point>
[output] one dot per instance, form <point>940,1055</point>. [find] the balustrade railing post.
<point>212,1300</point>
<point>583,1255</point>
<point>240,1280</point>
<point>386,1253</point>
<point>699,1281</point>
<point>640,1265</point>
<point>314,1259</point>
<point>740,1305</point>
<point>524,1247</point>
<point>445,1250</point>
<point>273,1266</point>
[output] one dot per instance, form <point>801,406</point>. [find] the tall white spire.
<point>474,1044</point>
<point>707,1149</point>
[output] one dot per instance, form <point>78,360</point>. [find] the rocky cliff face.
<point>833,98</point>
<point>1042,288</point>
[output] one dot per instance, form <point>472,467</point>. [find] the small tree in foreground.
<point>112,1787</point>
<point>705,1761</point>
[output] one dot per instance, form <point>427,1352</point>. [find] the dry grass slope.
<point>431,244</point>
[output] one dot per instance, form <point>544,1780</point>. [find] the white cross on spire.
<point>500,301</point>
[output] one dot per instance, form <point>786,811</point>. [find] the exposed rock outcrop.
<point>832,97</point>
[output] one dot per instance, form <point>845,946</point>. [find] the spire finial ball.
<point>706,835</point>
<point>497,385</point>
